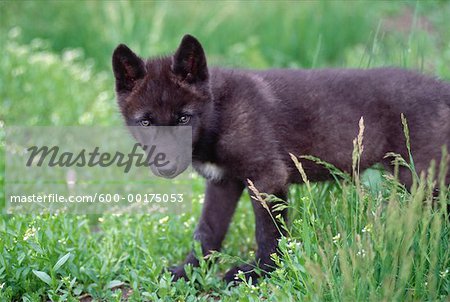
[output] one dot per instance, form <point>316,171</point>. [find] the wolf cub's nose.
<point>168,172</point>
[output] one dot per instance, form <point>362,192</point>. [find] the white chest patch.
<point>210,171</point>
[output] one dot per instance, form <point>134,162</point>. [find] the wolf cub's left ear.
<point>128,68</point>
<point>189,61</point>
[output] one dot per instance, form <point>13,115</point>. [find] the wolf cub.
<point>246,122</point>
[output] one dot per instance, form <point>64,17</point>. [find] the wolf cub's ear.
<point>189,61</point>
<point>128,68</point>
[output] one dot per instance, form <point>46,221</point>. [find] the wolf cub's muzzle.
<point>169,148</point>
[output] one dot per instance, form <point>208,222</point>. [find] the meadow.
<point>361,238</point>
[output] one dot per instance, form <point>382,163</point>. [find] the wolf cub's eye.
<point>184,119</point>
<point>145,123</point>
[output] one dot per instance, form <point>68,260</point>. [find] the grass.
<point>364,238</point>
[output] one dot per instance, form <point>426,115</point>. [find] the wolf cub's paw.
<point>249,271</point>
<point>177,272</point>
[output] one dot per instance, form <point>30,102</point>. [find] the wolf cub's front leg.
<point>221,198</point>
<point>267,232</point>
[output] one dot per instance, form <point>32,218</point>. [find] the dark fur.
<point>246,122</point>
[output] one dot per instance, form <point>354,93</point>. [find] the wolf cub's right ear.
<point>127,67</point>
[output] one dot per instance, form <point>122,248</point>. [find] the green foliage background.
<point>347,243</point>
